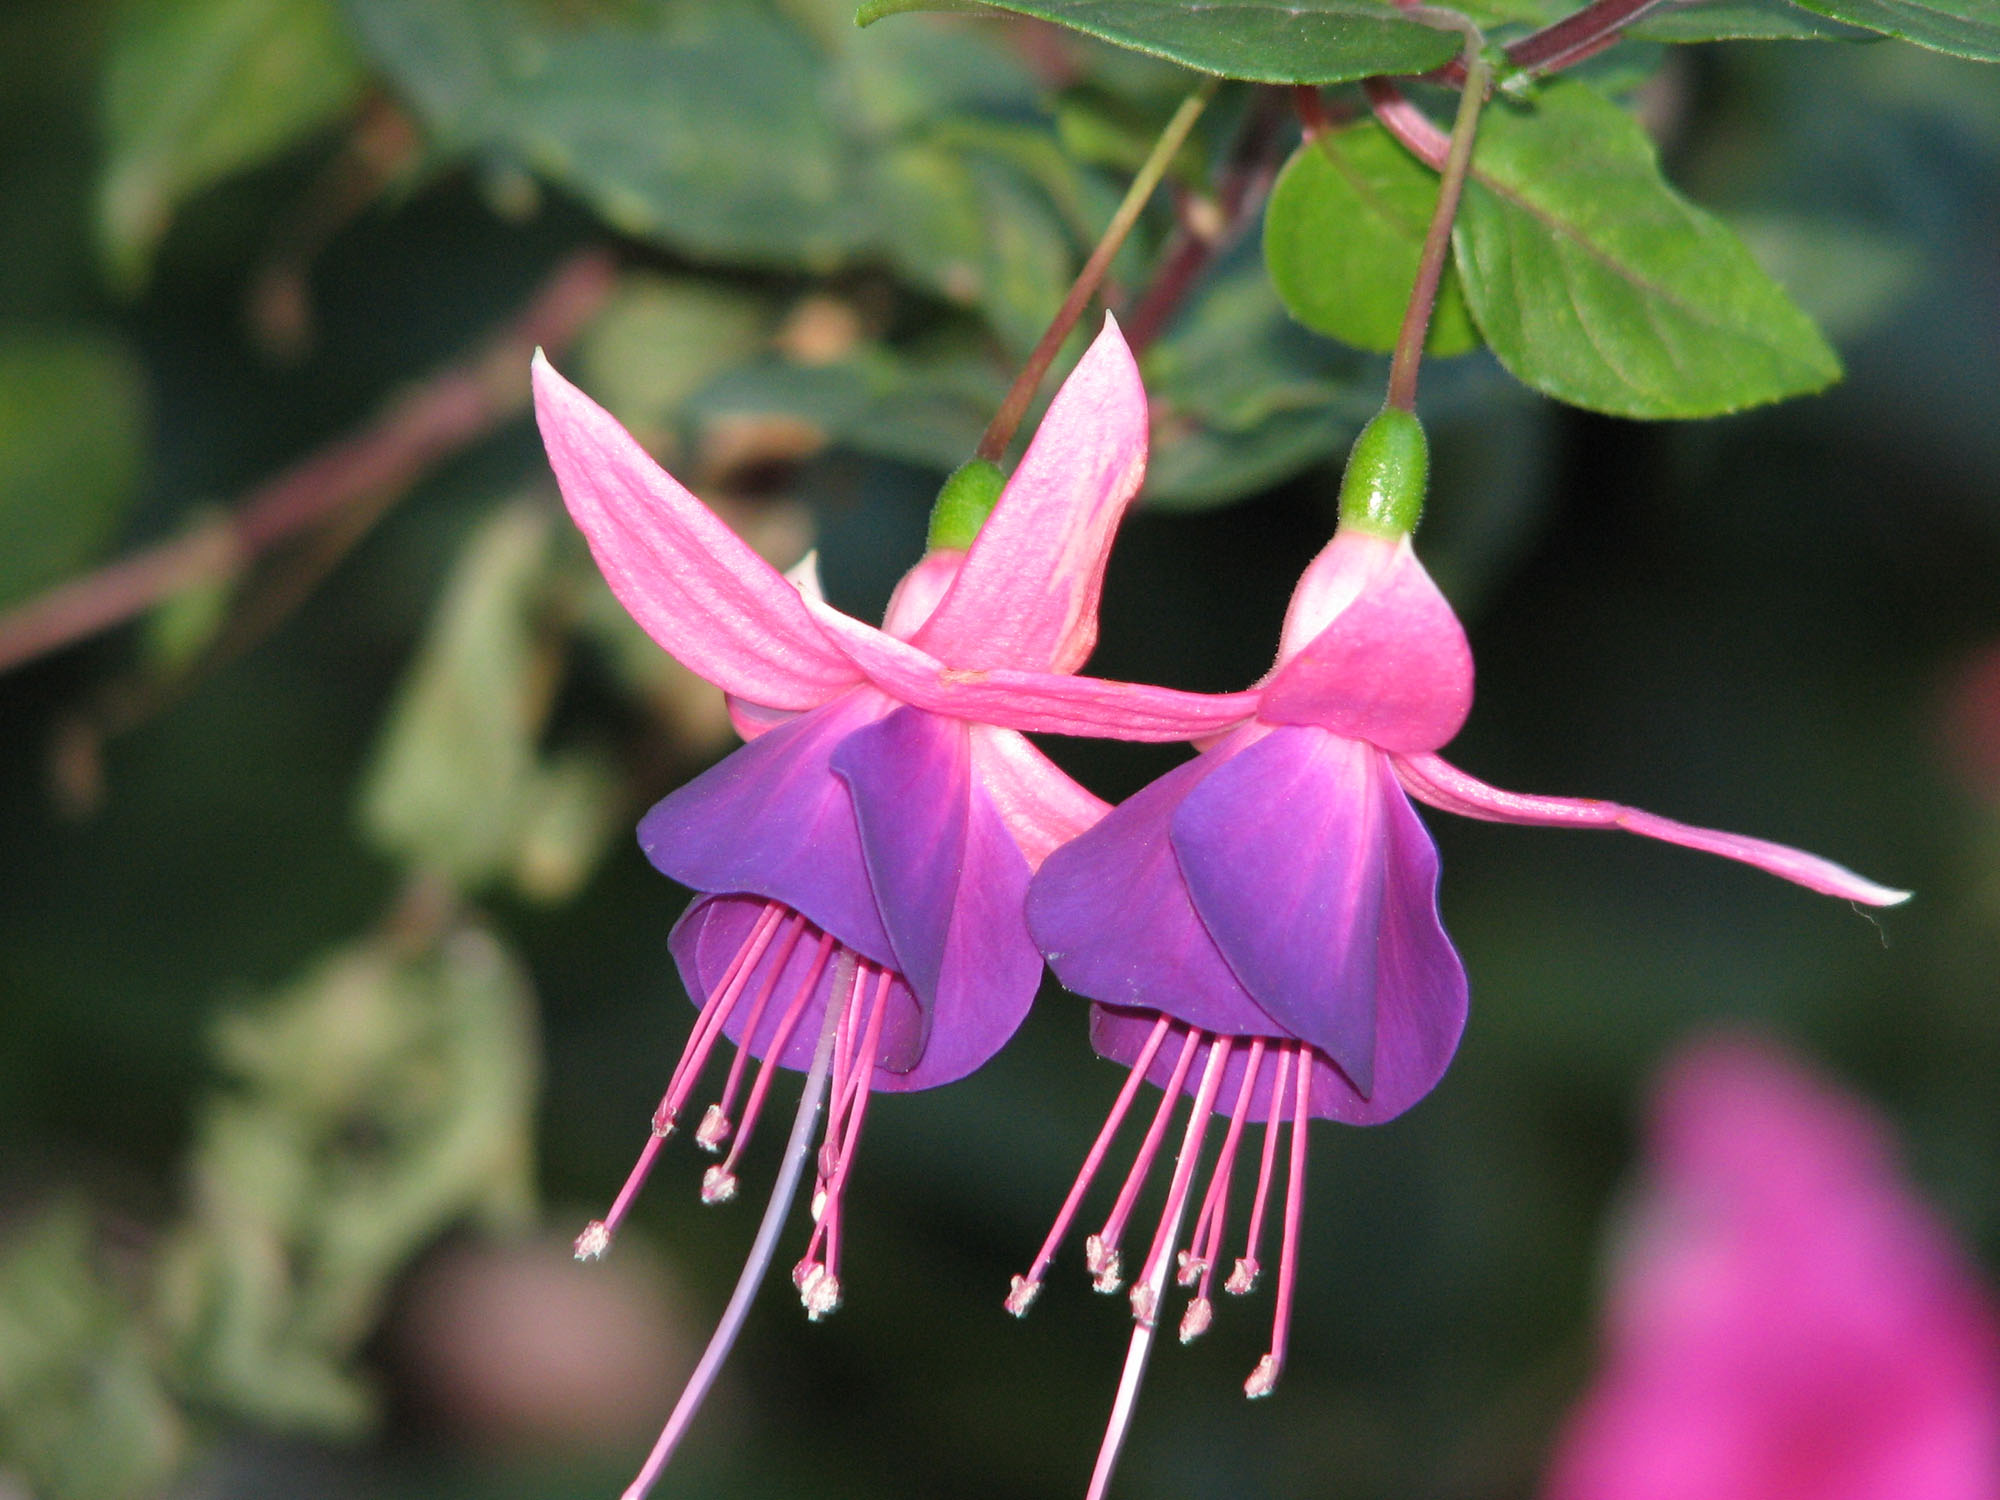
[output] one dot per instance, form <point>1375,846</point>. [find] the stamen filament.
<point>1145,1293</point>
<point>712,1138</point>
<point>1206,1248</point>
<point>1021,1296</point>
<point>1101,1249</point>
<point>1243,1279</point>
<point>1264,1378</point>
<point>797,1149</point>
<point>718,1183</point>
<point>694,1057</point>
<point>821,1291</point>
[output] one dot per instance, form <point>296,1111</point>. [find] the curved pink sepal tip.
<point>1430,779</point>
<point>692,584</point>
<point>1027,594</point>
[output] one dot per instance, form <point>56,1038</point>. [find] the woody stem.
<point>1000,432</point>
<point>1437,242</point>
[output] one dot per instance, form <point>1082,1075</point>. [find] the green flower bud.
<point>964,503</point>
<point>1383,489</point>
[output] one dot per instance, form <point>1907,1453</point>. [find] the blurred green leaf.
<point>457,757</point>
<point>83,1414</point>
<point>195,90</point>
<point>1740,21</point>
<point>1598,284</point>
<point>658,341</point>
<point>732,130</point>
<point>72,445</point>
<point>385,1096</point>
<point>1266,41</point>
<point>1847,275</point>
<point>1242,398</point>
<point>1964,28</point>
<point>1343,233</point>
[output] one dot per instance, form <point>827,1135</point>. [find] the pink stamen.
<point>708,1028</point>
<point>819,1284</point>
<point>1145,1287</point>
<point>1264,1378</point>
<point>718,1183</point>
<point>1101,1249</point>
<point>1021,1295</point>
<point>840,1096</point>
<point>1243,1279</point>
<point>1206,1251</point>
<point>711,1138</point>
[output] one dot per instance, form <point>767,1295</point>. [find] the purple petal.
<point>991,970</point>
<point>1420,1002</point>
<point>705,943</point>
<point>773,820</point>
<point>949,882</point>
<point>1111,913</point>
<point>1283,850</point>
<point>908,777</point>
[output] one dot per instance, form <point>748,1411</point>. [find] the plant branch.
<point>993,446</point>
<point>417,430</point>
<point>1409,353</point>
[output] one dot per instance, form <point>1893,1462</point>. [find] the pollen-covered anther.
<point>1103,1263</point>
<point>1021,1295</point>
<point>594,1241</point>
<point>1190,1268</point>
<point>1145,1304</point>
<point>713,1130</point>
<point>1243,1280</point>
<point>664,1121</point>
<point>1263,1380</point>
<point>1194,1322</point>
<point>819,1201</point>
<point>718,1185</point>
<point>819,1291</point>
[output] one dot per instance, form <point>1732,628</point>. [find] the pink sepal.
<point>1430,779</point>
<point>1042,808</point>
<point>1391,665</point>
<point>691,583</point>
<point>1035,702</point>
<point>1027,595</point>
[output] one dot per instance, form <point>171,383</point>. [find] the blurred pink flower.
<point>1786,1320</point>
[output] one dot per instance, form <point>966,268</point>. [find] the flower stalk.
<point>1409,353</point>
<point>1000,431</point>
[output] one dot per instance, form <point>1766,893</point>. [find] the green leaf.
<point>1265,41</point>
<point>72,446</point>
<point>1964,28</point>
<point>195,90</point>
<point>1343,233</point>
<point>454,771</point>
<point>84,1414</point>
<point>1740,21</point>
<point>385,1095</point>
<point>729,131</point>
<point>661,339</point>
<point>1598,284</point>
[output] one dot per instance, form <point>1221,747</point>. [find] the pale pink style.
<point>1786,1319</point>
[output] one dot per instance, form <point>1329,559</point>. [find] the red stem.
<point>446,413</point>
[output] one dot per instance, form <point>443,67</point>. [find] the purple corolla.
<point>869,850</point>
<point>1259,927</point>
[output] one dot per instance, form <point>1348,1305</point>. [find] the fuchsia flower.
<point>870,849</point>
<point>1786,1321</point>
<point>1260,926</point>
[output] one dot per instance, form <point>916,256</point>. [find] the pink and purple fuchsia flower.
<point>864,859</point>
<point>1785,1320</point>
<point>1259,927</point>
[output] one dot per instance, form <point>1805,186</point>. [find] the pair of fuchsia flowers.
<point>890,856</point>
